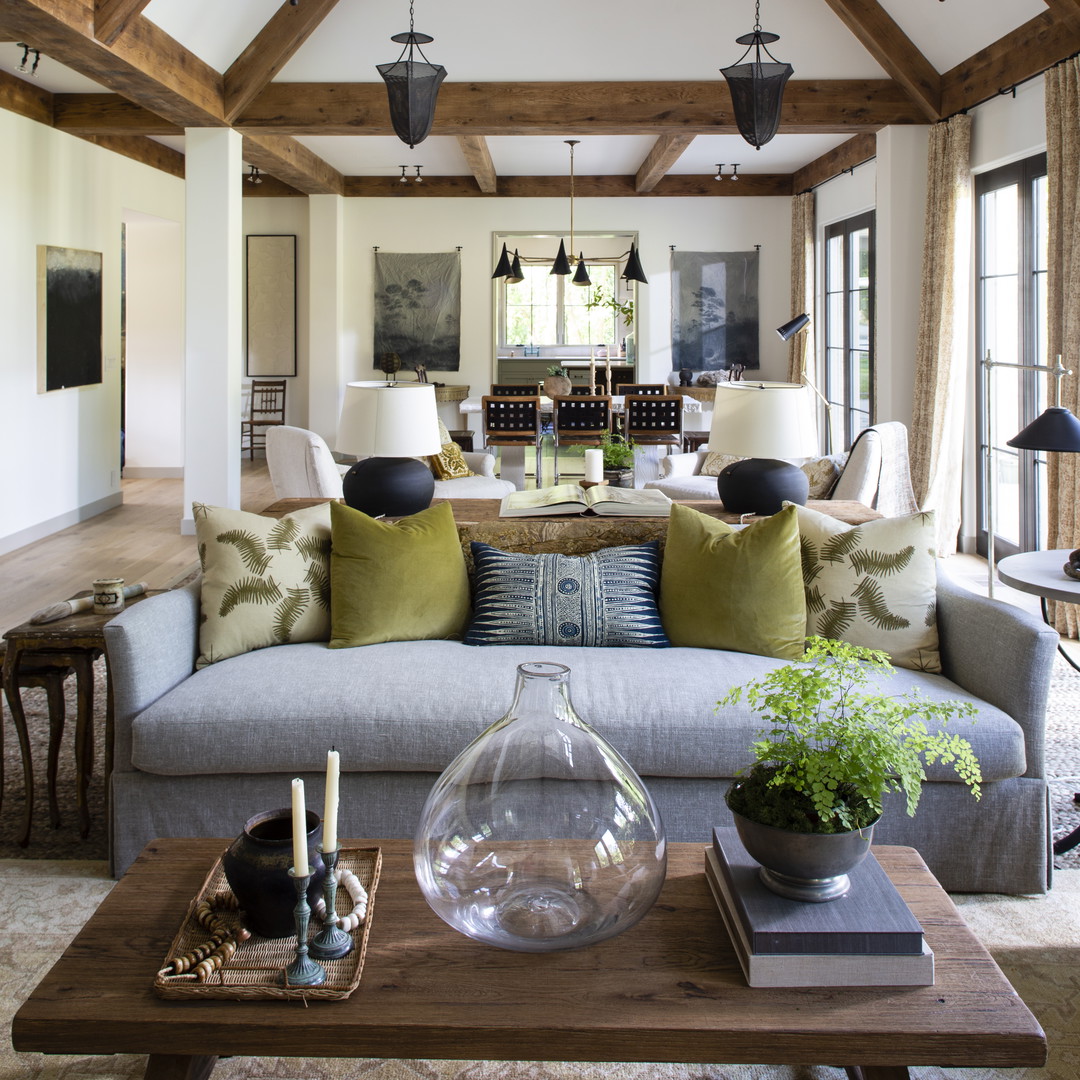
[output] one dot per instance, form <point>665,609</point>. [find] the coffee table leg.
<point>877,1072</point>
<point>179,1066</point>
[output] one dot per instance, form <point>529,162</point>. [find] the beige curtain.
<point>937,426</point>
<point>801,359</point>
<point>1063,300</point>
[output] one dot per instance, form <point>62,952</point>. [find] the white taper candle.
<point>299,829</point>
<point>330,808</point>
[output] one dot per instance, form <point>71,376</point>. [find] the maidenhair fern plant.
<point>832,751</point>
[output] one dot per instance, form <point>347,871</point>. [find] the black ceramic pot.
<point>256,867</point>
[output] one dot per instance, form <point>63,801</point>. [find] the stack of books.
<point>867,937</point>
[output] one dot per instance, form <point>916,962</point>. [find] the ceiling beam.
<point>595,108</point>
<point>26,99</point>
<point>293,163</point>
<point>840,159</point>
<point>539,187</point>
<point>112,16</point>
<point>143,150</point>
<point>893,50</point>
<point>1028,51</point>
<point>665,152</point>
<point>270,187</point>
<point>1065,11</point>
<point>289,27</point>
<point>107,114</point>
<point>478,158</point>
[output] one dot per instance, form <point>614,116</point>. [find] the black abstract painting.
<point>69,318</point>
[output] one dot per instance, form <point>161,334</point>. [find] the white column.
<point>213,274</point>
<point>326,374</point>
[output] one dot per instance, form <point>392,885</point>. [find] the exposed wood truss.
<point>112,16</point>
<point>665,152</point>
<point>478,158</point>
<point>843,159</point>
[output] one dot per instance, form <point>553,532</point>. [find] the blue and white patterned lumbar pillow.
<point>607,598</point>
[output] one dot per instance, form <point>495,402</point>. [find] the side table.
<point>1039,573</point>
<point>44,654</point>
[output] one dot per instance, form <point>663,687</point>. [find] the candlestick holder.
<point>303,971</point>
<point>331,943</point>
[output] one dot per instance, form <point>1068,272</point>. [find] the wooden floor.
<point>139,541</point>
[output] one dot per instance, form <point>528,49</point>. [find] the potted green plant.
<point>618,460</point>
<point>806,807</point>
<point>557,383</point>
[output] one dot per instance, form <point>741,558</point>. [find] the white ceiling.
<point>567,40</point>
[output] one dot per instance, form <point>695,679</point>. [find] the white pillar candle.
<point>607,373</point>
<point>330,808</point>
<point>299,829</point>
<point>594,466</point>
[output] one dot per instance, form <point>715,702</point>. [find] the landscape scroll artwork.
<point>714,310</point>
<point>418,310</point>
<point>69,317</point>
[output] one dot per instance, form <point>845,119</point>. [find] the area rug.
<point>1063,761</point>
<point>1035,940</point>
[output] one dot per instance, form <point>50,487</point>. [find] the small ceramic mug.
<point>108,595</point>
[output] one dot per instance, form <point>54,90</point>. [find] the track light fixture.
<point>254,177</point>
<point>733,175</point>
<point>27,50</point>
<point>403,179</point>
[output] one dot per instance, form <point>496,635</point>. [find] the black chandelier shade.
<point>757,87</point>
<point>633,271</point>
<point>412,87</point>
<point>561,265</point>
<point>1057,429</point>
<point>793,326</point>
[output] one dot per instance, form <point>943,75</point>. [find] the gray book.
<point>814,969</point>
<point>871,919</point>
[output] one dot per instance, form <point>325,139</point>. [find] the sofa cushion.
<point>606,598</point>
<point>873,584</point>
<point>715,462</point>
<point>738,589</point>
<point>448,463</point>
<point>396,580</point>
<point>265,580</point>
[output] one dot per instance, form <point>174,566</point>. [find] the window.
<point>547,309</point>
<point>849,328</point>
<point>1011,230</point>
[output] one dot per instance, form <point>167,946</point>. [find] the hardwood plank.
<point>144,150</point>
<point>893,50</point>
<point>665,152</point>
<point>293,163</point>
<point>1026,52</point>
<point>595,108</point>
<point>840,159</point>
<point>144,64</point>
<point>112,16</point>
<point>271,49</point>
<point>478,158</point>
<point>531,187</point>
<point>108,114</point>
<point>19,96</point>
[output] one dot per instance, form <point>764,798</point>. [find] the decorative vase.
<point>623,478</point>
<point>539,835</point>
<point>256,867</point>
<point>558,386</point>
<point>804,866</point>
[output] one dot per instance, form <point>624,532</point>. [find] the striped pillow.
<point>607,598</point>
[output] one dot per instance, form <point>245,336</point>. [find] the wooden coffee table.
<point>669,989</point>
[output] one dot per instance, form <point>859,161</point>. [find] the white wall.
<point>61,449</point>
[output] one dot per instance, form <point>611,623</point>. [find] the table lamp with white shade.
<point>389,428</point>
<point>762,422</point>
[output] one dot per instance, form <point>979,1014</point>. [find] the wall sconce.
<point>27,50</point>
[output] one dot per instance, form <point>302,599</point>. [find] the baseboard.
<point>153,472</point>
<point>63,521</point>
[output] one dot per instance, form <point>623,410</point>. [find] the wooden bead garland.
<point>201,962</point>
<point>347,880</point>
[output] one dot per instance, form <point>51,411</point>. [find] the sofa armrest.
<point>151,647</point>
<point>481,462</point>
<point>1001,654</point>
<point>682,464</point>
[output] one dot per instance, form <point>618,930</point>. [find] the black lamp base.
<point>390,487</point>
<point>761,485</point>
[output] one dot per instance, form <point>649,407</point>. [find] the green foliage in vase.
<point>558,369</point>
<point>624,309</point>
<point>832,751</point>
<point>618,452</point>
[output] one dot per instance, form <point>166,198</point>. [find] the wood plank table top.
<point>485,510</point>
<point>668,989</point>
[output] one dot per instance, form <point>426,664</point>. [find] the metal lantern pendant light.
<point>757,89</point>
<point>412,86</point>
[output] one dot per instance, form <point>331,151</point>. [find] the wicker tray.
<point>256,968</point>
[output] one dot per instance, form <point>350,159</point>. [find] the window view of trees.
<point>548,309</point>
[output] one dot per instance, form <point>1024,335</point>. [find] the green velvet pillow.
<point>396,580</point>
<point>736,589</point>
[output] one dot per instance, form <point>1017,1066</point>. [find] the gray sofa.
<point>198,752</point>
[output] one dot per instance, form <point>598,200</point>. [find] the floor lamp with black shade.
<point>389,428</point>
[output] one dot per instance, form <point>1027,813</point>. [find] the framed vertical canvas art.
<point>69,317</point>
<point>271,306</point>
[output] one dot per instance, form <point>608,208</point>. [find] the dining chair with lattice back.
<point>580,420</point>
<point>651,420</point>
<point>513,421</point>
<point>656,389</point>
<point>513,390</point>
<point>266,410</point>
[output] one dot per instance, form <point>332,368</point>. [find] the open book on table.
<point>572,499</point>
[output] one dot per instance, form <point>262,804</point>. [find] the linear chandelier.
<point>509,267</point>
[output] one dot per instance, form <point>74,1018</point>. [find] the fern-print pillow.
<point>266,581</point>
<point>873,584</point>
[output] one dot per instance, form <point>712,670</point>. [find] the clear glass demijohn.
<point>539,835</point>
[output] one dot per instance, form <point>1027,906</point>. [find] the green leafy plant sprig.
<point>618,452</point>
<point>624,309</point>
<point>832,751</point>
<point>558,369</point>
